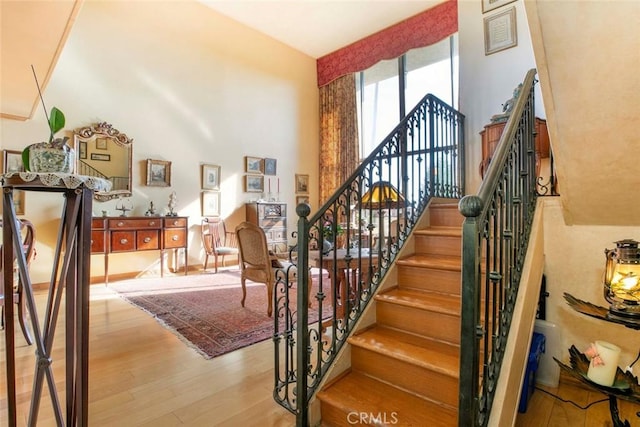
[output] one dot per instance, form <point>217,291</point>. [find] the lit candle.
<point>604,363</point>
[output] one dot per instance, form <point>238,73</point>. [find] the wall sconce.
<point>622,279</point>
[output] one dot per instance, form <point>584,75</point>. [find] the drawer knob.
<point>174,238</point>
<point>175,222</point>
<point>147,239</point>
<point>120,224</point>
<point>152,223</point>
<point>124,241</point>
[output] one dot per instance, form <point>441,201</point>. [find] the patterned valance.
<point>421,30</point>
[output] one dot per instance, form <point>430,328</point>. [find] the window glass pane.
<point>379,104</point>
<point>432,69</point>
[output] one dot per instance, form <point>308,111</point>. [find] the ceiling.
<point>319,27</point>
<point>34,33</point>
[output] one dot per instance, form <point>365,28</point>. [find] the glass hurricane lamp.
<point>622,278</point>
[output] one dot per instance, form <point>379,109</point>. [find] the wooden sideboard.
<point>145,233</point>
<point>272,218</point>
<point>491,136</point>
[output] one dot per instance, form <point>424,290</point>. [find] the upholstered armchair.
<point>257,263</point>
<point>217,241</point>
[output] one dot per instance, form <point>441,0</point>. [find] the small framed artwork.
<point>488,5</point>
<point>253,165</point>
<point>302,199</point>
<point>210,177</point>
<point>500,31</point>
<point>101,143</point>
<point>82,149</point>
<point>302,184</point>
<point>210,203</point>
<point>270,166</point>
<point>158,173</point>
<point>18,201</point>
<point>12,161</point>
<point>253,183</point>
<point>101,157</point>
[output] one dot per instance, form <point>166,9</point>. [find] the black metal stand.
<point>70,276</point>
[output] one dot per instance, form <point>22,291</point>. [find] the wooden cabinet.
<point>272,218</point>
<point>132,234</point>
<point>491,136</point>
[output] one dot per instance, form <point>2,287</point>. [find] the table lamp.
<point>382,195</point>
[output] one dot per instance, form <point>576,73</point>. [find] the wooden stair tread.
<point>421,299</point>
<point>440,262</point>
<point>421,351</point>
<point>439,230</point>
<point>359,393</point>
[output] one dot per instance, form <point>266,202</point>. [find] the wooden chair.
<point>28,245</point>
<point>257,263</point>
<point>217,241</point>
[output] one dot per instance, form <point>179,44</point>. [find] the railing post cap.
<point>470,206</point>
<point>303,209</point>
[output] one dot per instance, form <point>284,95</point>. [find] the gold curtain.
<point>338,134</point>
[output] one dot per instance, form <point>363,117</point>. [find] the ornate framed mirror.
<point>104,152</point>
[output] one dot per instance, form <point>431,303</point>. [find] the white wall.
<point>487,81</point>
<point>189,86</point>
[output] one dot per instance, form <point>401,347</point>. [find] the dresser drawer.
<point>175,222</point>
<point>132,224</point>
<point>98,223</point>
<point>97,242</point>
<point>122,241</point>
<point>277,234</point>
<point>271,222</point>
<point>147,240</point>
<point>175,238</point>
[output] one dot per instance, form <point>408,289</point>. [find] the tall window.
<point>432,69</point>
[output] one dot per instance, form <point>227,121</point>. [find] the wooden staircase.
<point>405,368</point>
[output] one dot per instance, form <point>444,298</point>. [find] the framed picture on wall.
<point>253,164</point>
<point>488,5</point>
<point>210,177</point>
<point>253,183</point>
<point>158,173</point>
<point>500,31</point>
<point>270,166</point>
<point>12,161</point>
<point>302,184</point>
<point>210,203</point>
<point>18,201</point>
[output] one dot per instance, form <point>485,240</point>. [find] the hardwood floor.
<point>141,374</point>
<point>544,410</point>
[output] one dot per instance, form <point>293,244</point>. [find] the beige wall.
<point>575,264</point>
<point>189,86</point>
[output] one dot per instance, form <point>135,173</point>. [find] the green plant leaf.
<point>25,159</point>
<point>56,121</point>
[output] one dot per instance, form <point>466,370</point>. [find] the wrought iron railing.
<point>351,241</point>
<point>495,237</point>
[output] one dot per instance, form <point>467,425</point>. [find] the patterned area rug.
<point>204,309</point>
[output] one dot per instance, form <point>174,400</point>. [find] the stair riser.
<point>438,245</point>
<point>432,385</point>
<point>429,279</point>
<point>446,216</point>
<point>429,324</point>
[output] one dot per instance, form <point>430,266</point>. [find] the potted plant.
<point>54,155</point>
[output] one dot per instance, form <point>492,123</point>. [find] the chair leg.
<point>215,260</point>
<point>206,260</point>
<point>244,291</point>
<point>270,299</point>
<point>22,319</point>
